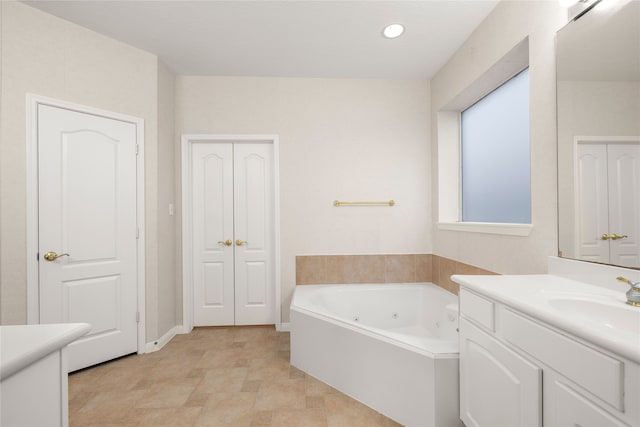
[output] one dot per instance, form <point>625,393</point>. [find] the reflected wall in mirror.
<point>598,101</point>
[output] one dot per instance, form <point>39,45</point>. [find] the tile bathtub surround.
<point>235,376</point>
<point>444,268</point>
<point>336,269</point>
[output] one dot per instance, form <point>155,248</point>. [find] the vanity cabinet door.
<point>498,388</point>
<point>566,407</point>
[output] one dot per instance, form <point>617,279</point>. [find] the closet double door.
<point>232,233</point>
<point>608,203</point>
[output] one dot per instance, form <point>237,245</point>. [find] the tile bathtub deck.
<point>213,377</point>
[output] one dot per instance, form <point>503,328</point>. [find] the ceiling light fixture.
<point>392,31</point>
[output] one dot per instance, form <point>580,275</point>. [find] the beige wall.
<point>339,139</point>
<point>1,175</point>
<point>506,26</point>
<point>166,195</point>
<point>47,56</point>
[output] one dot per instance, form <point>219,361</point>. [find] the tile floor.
<point>213,377</point>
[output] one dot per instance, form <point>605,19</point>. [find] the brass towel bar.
<point>337,203</point>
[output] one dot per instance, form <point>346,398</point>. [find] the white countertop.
<point>22,345</point>
<point>533,295</point>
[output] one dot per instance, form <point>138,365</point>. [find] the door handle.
<point>52,256</point>
<point>613,236</point>
<point>225,243</point>
<point>240,242</point>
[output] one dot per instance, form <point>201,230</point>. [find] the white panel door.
<point>254,240</point>
<point>624,203</point>
<point>87,216</point>
<point>592,213</point>
<point>212,195</point>
<point>233,241</point>
<point>608,203</point>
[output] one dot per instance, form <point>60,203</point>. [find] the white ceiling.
<point>329,39</point>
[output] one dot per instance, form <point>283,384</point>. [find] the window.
<point>495,155</point>
<point>484,168</point>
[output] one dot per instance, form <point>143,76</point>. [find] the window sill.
<point>488,228</point>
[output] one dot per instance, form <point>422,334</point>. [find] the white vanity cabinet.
<point>517,370</point>
<point>33,374</point>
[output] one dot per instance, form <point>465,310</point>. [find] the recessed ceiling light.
<point>392,31</point>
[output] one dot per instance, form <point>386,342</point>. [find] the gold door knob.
<point>240,242</point>
<point>225,243</point>
<point>606,237</point>
<point>52,256</point>
<point>618,237</point>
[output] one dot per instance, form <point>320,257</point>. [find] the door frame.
<point>187,141</point>
<point>33,279</point>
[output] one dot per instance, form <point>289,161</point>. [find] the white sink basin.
<point>617,317</point>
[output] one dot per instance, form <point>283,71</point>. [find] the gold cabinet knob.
<point>240,242</point>
<point>225,243</point>
<point>52,256</point>
<point>605,237</point>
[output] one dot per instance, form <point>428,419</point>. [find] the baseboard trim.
<point>285,327</point>
<point>163,340</point>
<point>181,329</point>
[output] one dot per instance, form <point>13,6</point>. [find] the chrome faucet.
<point>633,294</point>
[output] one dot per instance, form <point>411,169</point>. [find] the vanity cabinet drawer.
<point>597,372</point>
<point>477,309</point>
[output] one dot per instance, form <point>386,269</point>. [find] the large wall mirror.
<point>598,90</point>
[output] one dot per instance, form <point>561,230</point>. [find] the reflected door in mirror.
<point>608,202</point>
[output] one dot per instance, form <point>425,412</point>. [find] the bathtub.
<point>393,347</point>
